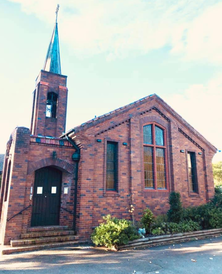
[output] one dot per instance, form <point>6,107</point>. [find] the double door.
<point>46,197</point>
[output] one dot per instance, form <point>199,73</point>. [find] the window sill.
<point>194,194</point>
<point>51,118</point>
<point>156,190</point>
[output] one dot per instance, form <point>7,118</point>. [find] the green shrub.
<point>218,189</point>
<point>114,232</point>
<point>160,222</point>
<point>217,199</point>
<point>188,226</point>
<point>160,219</point>
<point>173,228</point>
<point>147,219</point>
<point>157,231</point>
<point>207,216</point>
<point>214,218</point>
<point>175,213</point>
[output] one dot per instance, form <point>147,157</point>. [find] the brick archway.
<point>59,163</point>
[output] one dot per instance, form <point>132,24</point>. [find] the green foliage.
<point>217,172</point>
<point>217,199</point>
<point>114,232</point>
<point>160,222</point>
<point>207,216</point>
<point>218,189</point>
<point>157,231</point>
<point>147,219</point>
<point>172,228</point>
<point>184,226</point>
<point>215,218</point>
<point>175,213</point>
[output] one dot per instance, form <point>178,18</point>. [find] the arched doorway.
<point>46,197</point>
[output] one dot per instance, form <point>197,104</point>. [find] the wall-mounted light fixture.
<point>182,151</point>
<point>124,144</point>
<point>76,156</point>
<point>99,141</point>
<point>200,153</point>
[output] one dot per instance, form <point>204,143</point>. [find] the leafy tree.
<point>217,171</point>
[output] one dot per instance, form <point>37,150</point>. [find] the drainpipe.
<point>75,158</point>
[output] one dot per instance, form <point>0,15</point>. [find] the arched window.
<point>154,152</point>
<point>51,105</point>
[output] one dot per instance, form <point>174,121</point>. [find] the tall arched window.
<point>154,151</point>
<point>51,105</point>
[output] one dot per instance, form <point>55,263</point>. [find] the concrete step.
<point>43,240</point>
<point>50,233</point>
<point>47,228</point>
<point>11,250</point>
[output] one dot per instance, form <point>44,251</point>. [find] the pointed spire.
<point>52,61</point>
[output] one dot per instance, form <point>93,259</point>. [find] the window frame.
<point>53,104</point>
<point>8,180</point>
<point>191,191</point>
<point>115,191</point>
<point>154,146</point>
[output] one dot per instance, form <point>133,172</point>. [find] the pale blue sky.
<point>115,52</point>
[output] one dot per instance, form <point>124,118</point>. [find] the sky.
<point>115,52</point>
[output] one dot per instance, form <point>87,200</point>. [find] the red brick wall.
<point>45,126</point>
<point>93,201</point>
<point>28,156</point>
<point>126,126</point>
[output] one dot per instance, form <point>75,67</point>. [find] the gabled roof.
<point>125,109</point>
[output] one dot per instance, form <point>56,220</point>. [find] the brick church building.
<point>135,155</point>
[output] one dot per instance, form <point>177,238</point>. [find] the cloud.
<point>199,39</point>
<point>201,104</point>
<point>122,28</point>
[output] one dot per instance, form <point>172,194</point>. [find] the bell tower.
<point>50,95</point>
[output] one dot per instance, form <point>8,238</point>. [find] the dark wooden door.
<point>46,197</point>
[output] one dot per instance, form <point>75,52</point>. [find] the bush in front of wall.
<point>157,231</point>
<point>160,223</point>
<point>175,213</point>
<point>208,216</point>
<point>217,199</point>
<point>114,232</point>
<point>147,220</point>
<point>173,228</point>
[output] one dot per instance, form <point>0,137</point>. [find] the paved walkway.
<point>204,256</point>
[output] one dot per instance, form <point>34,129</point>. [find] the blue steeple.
<point>52,61</point>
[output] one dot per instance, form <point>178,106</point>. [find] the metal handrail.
<point>20,212</point>
<point>70,212</point>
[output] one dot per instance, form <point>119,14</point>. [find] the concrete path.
<point>204,256</point>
